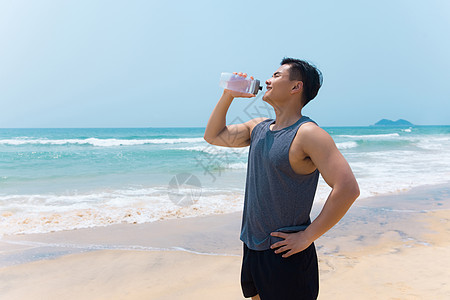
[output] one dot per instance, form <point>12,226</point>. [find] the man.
<point>285,158</point>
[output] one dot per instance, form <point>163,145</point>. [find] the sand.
<point>394,268</point>
<point>387,247</point>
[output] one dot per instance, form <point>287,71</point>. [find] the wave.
<point>370,136</point>
<point>99,142</point>
<point>346,145</point>
<point>435,143</point>
<point>41,213</point>
<point>90,247</point>
<point>211,149</point>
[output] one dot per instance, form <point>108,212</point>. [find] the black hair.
<point>307,73</point>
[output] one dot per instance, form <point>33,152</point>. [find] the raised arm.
<point>236,135</point>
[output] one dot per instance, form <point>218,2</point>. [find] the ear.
<point>297,88</point>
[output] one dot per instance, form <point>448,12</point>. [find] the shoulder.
<point>251,124</point>
<point>312,138</point>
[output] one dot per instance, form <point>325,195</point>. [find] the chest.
<point>281,151</point>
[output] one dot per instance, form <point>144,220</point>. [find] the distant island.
<point>399,122</point>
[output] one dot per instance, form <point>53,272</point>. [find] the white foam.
<point>46,213</point>
<point>215,150</point>
<point>99,142</point>
<point>370,136</point>
<point>434,143</point>
<point>346,145</point>
<point>89,247</point>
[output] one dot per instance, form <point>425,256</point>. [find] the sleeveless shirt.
<point>276,198</point>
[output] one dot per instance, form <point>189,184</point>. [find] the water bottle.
<point>234,82</point>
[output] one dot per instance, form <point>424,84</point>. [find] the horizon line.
<point>165,127</point>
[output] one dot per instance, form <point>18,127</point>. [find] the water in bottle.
<point>234,82</point>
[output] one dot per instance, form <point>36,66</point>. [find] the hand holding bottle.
<point>239,85</point>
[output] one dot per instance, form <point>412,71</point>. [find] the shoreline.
<point>189,234</point>
<point>184,212</point>
<point>94,238</point>
<point>377,249</point>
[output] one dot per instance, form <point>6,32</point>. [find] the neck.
<point>286,116</point>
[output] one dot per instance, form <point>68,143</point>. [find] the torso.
<point>299,160</point>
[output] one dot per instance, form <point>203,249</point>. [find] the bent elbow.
<point>208,139</point>
<point>350,189</point>
<point>354,191</point>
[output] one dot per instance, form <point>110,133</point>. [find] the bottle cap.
<point>258,87</point>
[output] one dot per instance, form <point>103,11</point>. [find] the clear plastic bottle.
<point>234,82</point>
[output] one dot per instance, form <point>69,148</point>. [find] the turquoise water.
<point>49,176</point>
<point>56,159</point>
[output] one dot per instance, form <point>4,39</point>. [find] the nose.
<point>268,82</point>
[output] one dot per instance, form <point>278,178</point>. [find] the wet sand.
<point>386,247</point>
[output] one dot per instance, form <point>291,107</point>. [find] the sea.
<point>68,178</point>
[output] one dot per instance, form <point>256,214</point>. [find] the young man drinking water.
<point>285,158</point>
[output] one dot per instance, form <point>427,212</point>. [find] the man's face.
<point>279,86</point>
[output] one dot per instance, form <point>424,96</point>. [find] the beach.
<point>394,246</point>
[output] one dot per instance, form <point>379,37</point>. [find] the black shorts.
<point>276,278</point>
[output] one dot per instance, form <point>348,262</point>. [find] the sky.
<point>151,63</point>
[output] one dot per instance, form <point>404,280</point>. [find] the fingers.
<point>279,244</point>
<point>242,75</point>
<point>280,234</point>
<point>288,254</point>
<point>282,249</point>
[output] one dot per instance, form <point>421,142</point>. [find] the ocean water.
<point>61,179</point>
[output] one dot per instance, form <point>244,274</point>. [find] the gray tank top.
<point>276,198</point>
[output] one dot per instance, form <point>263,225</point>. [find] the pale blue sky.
<point>157,63</point>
